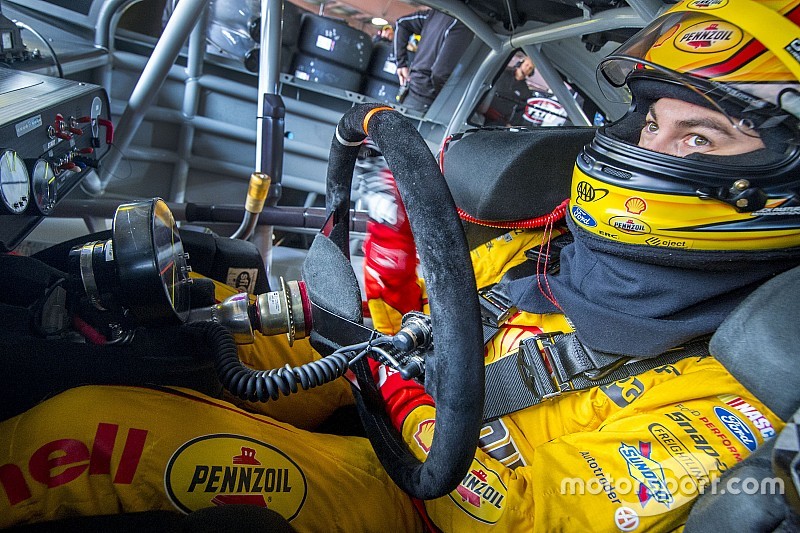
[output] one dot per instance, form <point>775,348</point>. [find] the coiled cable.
<point>263,385</point>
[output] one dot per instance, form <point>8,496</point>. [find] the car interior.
<point>185,137</point>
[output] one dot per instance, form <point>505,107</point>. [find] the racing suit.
<point>624,456</point>
<point>98,450</point>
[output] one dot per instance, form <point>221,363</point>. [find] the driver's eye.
<point>651,126</point>
<point>698,141</point>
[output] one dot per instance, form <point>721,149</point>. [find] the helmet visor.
<point>711,63</point>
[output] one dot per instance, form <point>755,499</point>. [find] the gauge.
<point>44,186</point>
<point>15,187</point>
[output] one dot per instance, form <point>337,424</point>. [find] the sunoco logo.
<point>716,36</point>
<point>232,469</point>
<point>481,494</point>
<point>737,426</point>
<point>629,225</point>
<point>649,473</point>
<point>583,217</point>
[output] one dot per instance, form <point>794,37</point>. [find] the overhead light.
<point>377,21</point>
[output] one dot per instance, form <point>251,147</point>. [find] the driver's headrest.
<point>502,175</point>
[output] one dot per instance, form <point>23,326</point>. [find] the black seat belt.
<point>551,364</point>
<point>496,306</point>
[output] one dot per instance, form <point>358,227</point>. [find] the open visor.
<point>708,62</point>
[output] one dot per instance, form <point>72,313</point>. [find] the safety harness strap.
<point>496,305</point>
<point>549,365</point>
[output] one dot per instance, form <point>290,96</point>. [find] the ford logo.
<point>583,217</point>
<point>738,427</point>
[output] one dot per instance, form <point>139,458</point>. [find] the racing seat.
<point>758,344</point>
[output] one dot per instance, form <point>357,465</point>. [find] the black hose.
<point>263,385</point>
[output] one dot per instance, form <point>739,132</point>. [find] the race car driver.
<point>657,260</point>
<point>625,455</point>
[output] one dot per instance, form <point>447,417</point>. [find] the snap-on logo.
<point>481,494</point>
<point>709,37</point>
<point>583,217</point>
<point>232,469</point>
<point>737,426</point>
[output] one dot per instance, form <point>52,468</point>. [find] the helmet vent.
<point>586,159</point>
<point>621,174</point>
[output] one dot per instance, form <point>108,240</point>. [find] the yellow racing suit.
<point>629,455</point>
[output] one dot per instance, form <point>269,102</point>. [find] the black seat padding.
<point>217,257</point>
<point>502,175</point>
<point>759,343</point>
<point>718,512</point>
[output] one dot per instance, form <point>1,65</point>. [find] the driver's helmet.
<point>739,58</point>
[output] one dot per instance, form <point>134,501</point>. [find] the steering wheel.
<point>455,369</point>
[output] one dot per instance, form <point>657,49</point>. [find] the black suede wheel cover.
<point>455,372</point>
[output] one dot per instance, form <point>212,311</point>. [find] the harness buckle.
<point>541,368</point>
<point>495,308</point>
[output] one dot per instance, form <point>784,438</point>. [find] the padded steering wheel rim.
<point>455,370</point>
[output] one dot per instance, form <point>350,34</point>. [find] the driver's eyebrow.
<point>705,122</point>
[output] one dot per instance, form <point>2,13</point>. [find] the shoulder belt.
<point>552,364</point>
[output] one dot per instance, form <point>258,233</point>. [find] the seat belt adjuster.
<point>538,360</point>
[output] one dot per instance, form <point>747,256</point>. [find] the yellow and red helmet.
<point>738,57</point>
